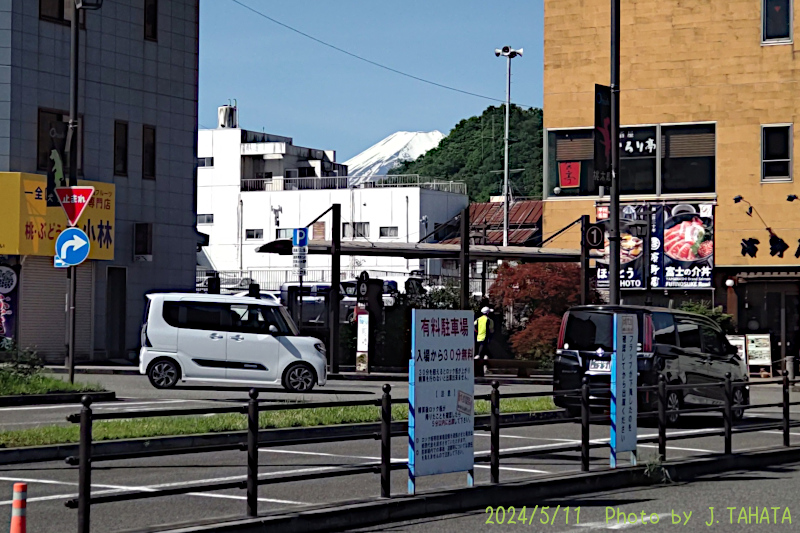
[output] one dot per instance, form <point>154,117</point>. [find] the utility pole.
<point>72,149</point>
<point>613,230</point>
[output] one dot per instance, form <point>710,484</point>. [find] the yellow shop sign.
<point>29,227</point>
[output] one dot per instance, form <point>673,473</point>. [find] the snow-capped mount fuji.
<point>379,158</point>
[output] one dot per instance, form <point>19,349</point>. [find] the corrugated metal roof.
<point>524,212</point>
<point>495,237</point>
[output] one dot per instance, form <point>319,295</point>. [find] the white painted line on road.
<point>94,406</point>
<point>394,460</point>
<point>602,441</point>
<point>153,488</point>
<point>619,525</point>
<point>776,432</point>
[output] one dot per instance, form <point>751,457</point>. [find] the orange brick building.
<point>708,102</point>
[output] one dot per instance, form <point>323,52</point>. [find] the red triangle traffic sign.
<point>73,201</point>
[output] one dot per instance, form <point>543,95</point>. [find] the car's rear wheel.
<point>299,377</point>
<point>164,373</point>
<point>738,399</point>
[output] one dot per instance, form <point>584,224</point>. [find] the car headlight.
<point>320,348</point>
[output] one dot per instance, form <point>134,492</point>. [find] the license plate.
<point>602,366</point>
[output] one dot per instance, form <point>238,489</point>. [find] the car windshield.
<point>289,324</point>
<point>591,330</point>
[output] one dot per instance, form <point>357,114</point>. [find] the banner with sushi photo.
<point>687,258</point>
<point>679,253</point>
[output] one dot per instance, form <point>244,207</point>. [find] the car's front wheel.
<point>299,377</point>
<point>164,373</point>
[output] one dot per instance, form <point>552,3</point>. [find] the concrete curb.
<point>121,371</point>
<point>351,515</point>
<point>56,397</point>
<point>234,438</point>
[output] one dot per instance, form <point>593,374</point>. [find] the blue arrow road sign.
<point>300,237</point>
<point>72,248</point>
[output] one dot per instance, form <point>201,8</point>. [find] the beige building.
<point>708,102</point>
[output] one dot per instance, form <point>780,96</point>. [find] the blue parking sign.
<point>72,248</point>
<point>300,237</point>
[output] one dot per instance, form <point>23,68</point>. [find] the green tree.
<point>704,308</point>
<point>473,153</point>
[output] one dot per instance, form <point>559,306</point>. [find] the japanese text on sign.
<point>441,391</point>
<point>624,382</point>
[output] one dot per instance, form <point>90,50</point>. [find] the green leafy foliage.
<point>705,308</point>
<point>474,149</point>
<point>21,373</point>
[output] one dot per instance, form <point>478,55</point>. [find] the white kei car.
<point>227,339</point>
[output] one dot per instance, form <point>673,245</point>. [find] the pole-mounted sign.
<point>73,201</point>
<point>299,250</point>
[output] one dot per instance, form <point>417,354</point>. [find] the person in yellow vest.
<point>484,330</point>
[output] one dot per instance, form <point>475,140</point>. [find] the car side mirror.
<point>732,350</point>
<point>272,329</point>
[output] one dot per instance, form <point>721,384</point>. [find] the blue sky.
<point>290,85</point>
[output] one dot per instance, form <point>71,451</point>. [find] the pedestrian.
<point>484,330</point>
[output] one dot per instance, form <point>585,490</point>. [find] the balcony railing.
<point>345,182</point>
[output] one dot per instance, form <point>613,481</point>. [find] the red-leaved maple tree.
<point>538,295</point>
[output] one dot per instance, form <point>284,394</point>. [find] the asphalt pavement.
<point>50,484</point>
<point>739,501</point>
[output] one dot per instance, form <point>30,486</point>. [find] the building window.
<point>284,233</point>
<point>205,219</point>
<point>254,234</point>
<point>120,148</point>
<point>361,229</point>
<point>776,153</point>
<point>151,20</point>
<point>143,239</point>
<point>205,162</point>
<point>60,11</point>
<point>388,231</point>
<point>52,135</point>
<point>688,163</point>
<point>149,152</point>
<point>777,18</point>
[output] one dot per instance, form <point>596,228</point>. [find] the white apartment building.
<point>254,188</point>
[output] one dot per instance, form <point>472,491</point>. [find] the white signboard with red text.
<point>441,390</point>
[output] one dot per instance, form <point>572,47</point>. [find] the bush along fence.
<point>493,423</point>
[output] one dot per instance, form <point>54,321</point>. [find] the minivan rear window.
<point>592,330</point>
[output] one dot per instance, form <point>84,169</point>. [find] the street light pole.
<point>613,231</point>
<point>505,156</point>
<point>509,54</point>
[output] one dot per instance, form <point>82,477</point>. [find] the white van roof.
<point>202,297</point>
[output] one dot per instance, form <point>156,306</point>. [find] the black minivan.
<point>689,349</point>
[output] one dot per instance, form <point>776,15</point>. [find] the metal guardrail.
<point>279,183</point>
<point>387,429</point>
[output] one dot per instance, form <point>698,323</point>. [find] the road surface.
<point>741,501</point>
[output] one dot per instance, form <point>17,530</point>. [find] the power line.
<point>374,63</point>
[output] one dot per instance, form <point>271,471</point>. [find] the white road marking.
<point>394,460</point>
<point>619,525</point>
<point>94,406</point>
<point>152,488</point>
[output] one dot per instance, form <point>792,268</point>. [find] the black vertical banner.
<point>602,135</point>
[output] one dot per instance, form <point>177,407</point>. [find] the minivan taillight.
<point>145,339</point>
<point>562,331</point>
<point>647,334</point>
